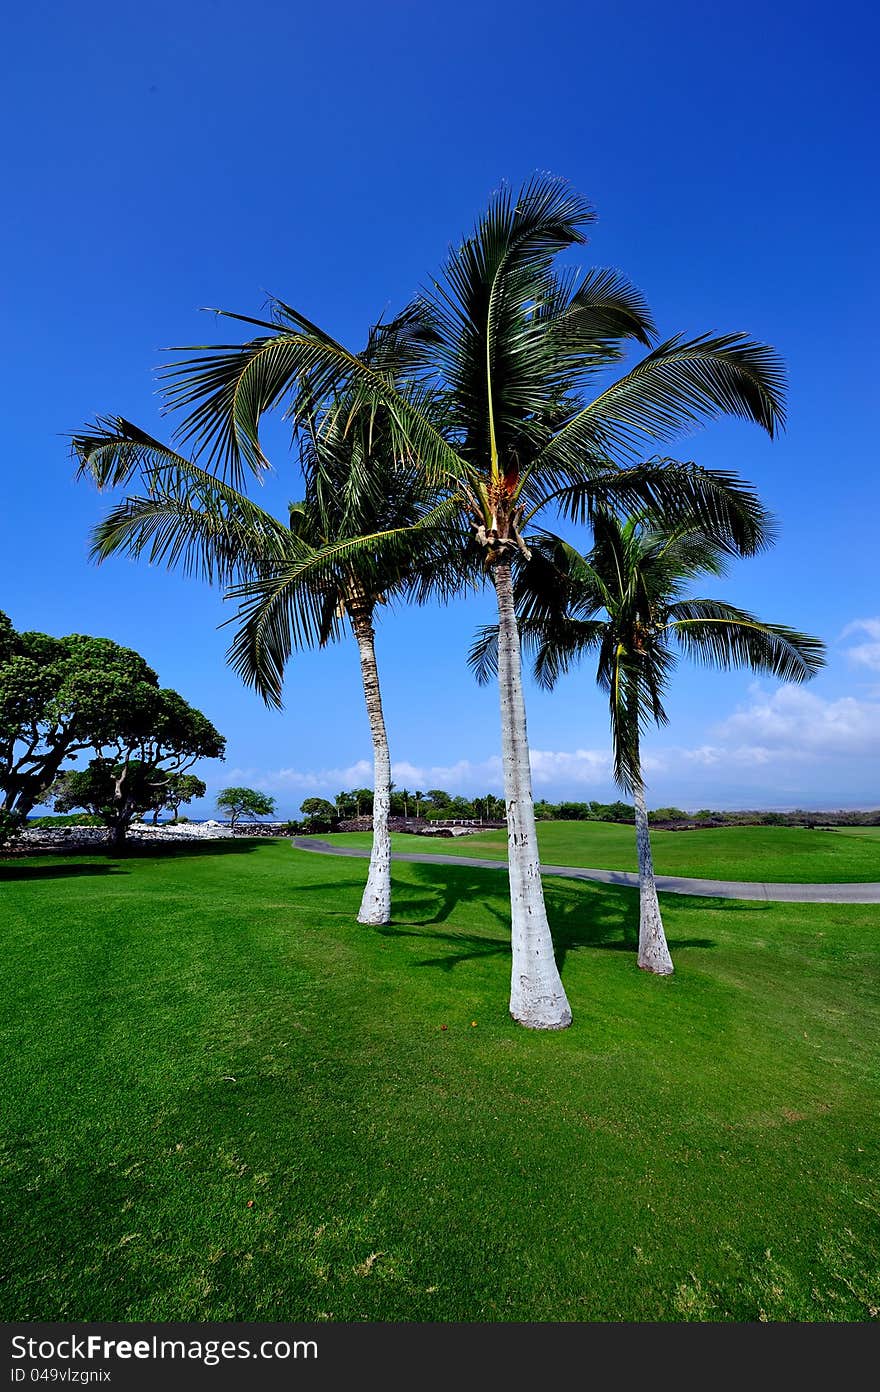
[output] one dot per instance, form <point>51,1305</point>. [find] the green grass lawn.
<point>225,1099</point>
<point>790,854</point>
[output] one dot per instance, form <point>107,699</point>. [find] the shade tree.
<point>60,697</point>
<point>177,790</point>
<point>156,735</point>
<point>244,804</point>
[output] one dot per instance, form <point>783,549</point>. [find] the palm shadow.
<point>581,915</point>
<point>737,905</point>
<point>607,918</point>
<point>448,887</point>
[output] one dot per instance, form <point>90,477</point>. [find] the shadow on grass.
<point>97,856</point>
<point>11,872</point>
<point>163,850</point>
<point>580,915</point>
<point>104,861</point>
<point>735,905</point>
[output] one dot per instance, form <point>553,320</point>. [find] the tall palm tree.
<point>333,567</point>
<point>626,602</point>
<point>505,346</point>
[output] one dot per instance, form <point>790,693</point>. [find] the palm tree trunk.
<point>376,903</point>
<point>653,950</point>
<point>537,996</point>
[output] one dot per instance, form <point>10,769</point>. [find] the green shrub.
<point>10,822</point>
<point>72,819</point>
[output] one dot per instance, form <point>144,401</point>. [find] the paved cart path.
<point>667,884</point>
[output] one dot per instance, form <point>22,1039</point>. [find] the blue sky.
<point>166,157</point>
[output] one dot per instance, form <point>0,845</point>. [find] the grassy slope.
<point>791,854</point>
<point>184,1034</point>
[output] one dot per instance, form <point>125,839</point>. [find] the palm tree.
<point>626,602</point>
<point>492,406</point>
<point>331,564</point>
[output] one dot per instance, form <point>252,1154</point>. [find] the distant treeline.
<point>798,817</point>
<point>438,805</point>
<point>677,817</point>
<point>323,815</point>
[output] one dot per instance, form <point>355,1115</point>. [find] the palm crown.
<point>367,530</point>
<point>370,529</point>
<point>626,603</point>
<point>484,381</point>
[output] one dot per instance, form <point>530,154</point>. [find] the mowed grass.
<point>789,854</point>
<point>225,1099</point>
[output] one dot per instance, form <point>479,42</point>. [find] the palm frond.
<point>627,723</point>
<point>200,536</point>
<point>720,635</point>
<point>489,318</point>
<point>557,648</point>
<point>112,451</point>
<point>270,628</point>
<point>603,311</point>
<point>188,519</point>
<point>284,607</point>
<point>671,391</point>
<point>225,391</point>
<point>483,654</point>
<point>675,493</point>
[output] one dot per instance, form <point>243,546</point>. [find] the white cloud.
<point>864,654</point>
<point>464,776</point>
<point>785,746</point>
<point>718,755</point>
<point>799,724</point>
<point>582,767</point>
<point>291,780</point>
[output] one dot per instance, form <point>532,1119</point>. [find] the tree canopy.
<point>62,696</point>
<point>59,696</point>
<point>319,808</point>
<point>175,791</point>
<point>240,802</point>
<point>626,603</point>
<point>157,737</point>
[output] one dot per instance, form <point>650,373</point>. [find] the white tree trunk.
<point>537,996</point>
<point>653,950</point>
<point>376,903</point>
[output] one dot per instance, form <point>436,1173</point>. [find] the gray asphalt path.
<point>667,884</point>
